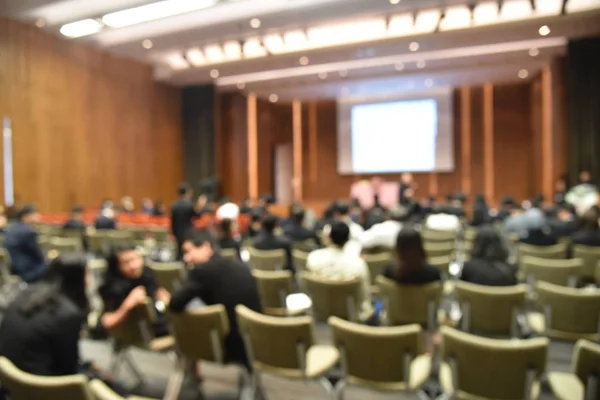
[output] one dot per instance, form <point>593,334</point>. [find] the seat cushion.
<point>565,386</point>
<point>162,344</point>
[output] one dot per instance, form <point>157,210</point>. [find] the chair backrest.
<point>5,265</point>
<point>443,249</point>
<point>410,304</point>
<point>64,244</point>
<point>586,361</point>
<point>558,271</point>
<point>430,235</point>
<point>275,342</point>
<point>230,253</point>
<point>493,368</point>
<point>442,263</point>
<point>102,392</point>
<point>304,245</point>
<point>169,275</point>
<point>25,386</point>
<point>490,310</point>
<point>557,251</point>
<point>333,297</point>
<point>116,236</point>
<point>199,333</point>
<point>273,287</point>
<point>159,234</point>
<point>377,355</point>
<point>568,309</point>
<point>136,329</point>
<point>267,260</point>
<point>590,256</point>
<point>299,258</point>
<point>138,233</point>
<point>376,263</point>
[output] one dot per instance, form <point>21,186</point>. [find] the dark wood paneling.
<point>233,143</point>
<point>86,125</point>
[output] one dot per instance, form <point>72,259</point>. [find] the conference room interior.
<point>260,96</point>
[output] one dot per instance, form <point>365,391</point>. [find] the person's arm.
<point>196,285</point>
<point>33,247</point>
<point>65,346</point>
<point>110,320</point>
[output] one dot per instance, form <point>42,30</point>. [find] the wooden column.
<point>488,142</point>
<point>252,148</point>
<point>297,143</point>
<point>433,184</point>
<point>549,132</point>
<point>465,139</point>
<point>312,141</point>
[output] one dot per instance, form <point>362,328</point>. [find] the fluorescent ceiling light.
<point>214,54</point>
<point>547,7</point>
<point>232,50</point>
<point>458,17</point>
<point>353,32</point>
<point>513,10</point>
<point>81,28</point>
<point>153,11</point>
<point>574,6</point>
<point>427,21</point>
<point>295,40</point>
<point>400,25</point>
<point>253,49</point>
<point>274,43</point>
<point>195,57</point>
<point>176,61</point>
<point>485,13</point>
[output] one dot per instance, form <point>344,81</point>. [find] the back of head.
<point>488,245</point>
<point>297,215</point>
<point>199,237</point>
<point>399,214</point>
<point>342,208</point>
<point>410,250</point>
<point>589,220</point>
<point>269,223</point>
<point>226,228</point>
<point>339,233</point>
<point>76,210</point>
<point>26,211</point>
<point>183,189</point>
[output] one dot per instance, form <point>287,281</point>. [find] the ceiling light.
<point>458,17</point>
<point>548,7</point>
<point>241,85</point>
<point>232,50</point>
<point>214,54</point>
<point>255,23</point>
<point>303,60</point>
<point>400,25</point>
<point>253,48</point>
<point>196,57</point>
<point>295,40</point>
<point>414,46</point>
<point>394,2</point>
<point>322,75</point>
<point>513,10</point>
<point>399,67</point>
<point>273,98</point>
<point>523,74</point>
<point>274,43</point>
<point>427,21</point>
<point>214,73</point>
<point>40,22</point>
<point>485,13</point>
<point>421,64</point>
<point>147,44</point>
<point>574,6</point>
<point>533,52</point>
<point>345,33</point>
<point>343,73</point>
<point>176,61</point>
<point>81,28</point>
<point>153,11</point>
<point>544,30</point>
<point>428,82</point>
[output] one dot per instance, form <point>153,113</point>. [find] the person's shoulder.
<point>68,312</point>
<point>433,272</point>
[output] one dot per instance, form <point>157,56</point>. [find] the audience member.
<point>411,265</point>
<point>384,234</point>
<point>560,191</point>
<point>327,218</point>
<point>563,222</point>
<point>454,206</point>
<point>515,222</point>
<point>295,230</point>
<point>147,206</point>
<point>127,284</point>
<point>227,236</point>
<point>332,262</point>
<point>246,208</point>
<point>255,225</point>
<point>75,223</point>
<point>585,178</point>
<point>27,258</point>
<point>159,209</point>
<point>343,214</point>
<point>228,210</point>
<point>507,208</point>
<point>216,280</point>
<point>127,205</point>
<point>106,219</point>
<point>589,230</point>
<point>537,230</point>
<point>489,261</point>
<point>481,211</point>
<point>442,222</point>
<point>268,240</point>
<point>183,212</point>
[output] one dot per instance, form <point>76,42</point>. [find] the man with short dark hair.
<point>267,240</point>
<point>217,280</point>
<point>106,219</point>
<point>342,210</point>
<point>384,234</point>
<point>27,258</point>
<point>75,223</point>
<point>295,230</point>
<point>182,214</point>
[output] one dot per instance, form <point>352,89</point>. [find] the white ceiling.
<point>474,55</point>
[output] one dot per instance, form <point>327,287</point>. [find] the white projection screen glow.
<point>410,132</point>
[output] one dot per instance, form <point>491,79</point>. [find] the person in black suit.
<point>327,218</point>
<point>589,231</point>
<point>454,206</point>
<point>182,214</point>
<point>217,280</point>
<point>106,220</point>
<point>562,221</point>
<point>227,239</point>
<point>295,230</point>
<point>537,230</point>
<point>508,205</point>
<point>411,267</point>
<point>27,258</point>
<point>489,261</point>
<point>267,240</point>
<point>75,223</point>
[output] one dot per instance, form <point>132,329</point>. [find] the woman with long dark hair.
<point>226,236</point>
<point>489,261</point>
<point>41,328</point>
<point>481,212</point>
<point>411,265</point>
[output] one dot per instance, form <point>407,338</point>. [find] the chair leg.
<point>138,375</point>
<point>339,389</point>
<point>258,391</point>
<point>175,381</point>
<point>328,387</point>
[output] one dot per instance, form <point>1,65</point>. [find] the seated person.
<point>267,240</point>
<point>295,230</point>
<point>333,262</point>
<point>227,236</point>
<point>443,222</point>
<point>509,205</point>
<point>342,211</point>
<point>106,219</point>
<point>326,219</point>
<point>217,280</point>
<point>385,234</point>
<point>147,206</point>
<point>75,223</point>
<point>481,212</point>
<point>160,210</point>
<point>489,261</point>
<point>454,206</point>
<point>589,231</point>
<point>27,258</point>
<point>255,225</point>
<point>127,284</point>
<point>228,210</point>
<point>411,267</point>
<point>246,208</point>
<point>537,232</point>
<point>563,222</point>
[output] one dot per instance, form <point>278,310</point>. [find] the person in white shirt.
<point>385,233</point>
<point>342,211</point>
<point>443,222</point>
<point>333,262</point>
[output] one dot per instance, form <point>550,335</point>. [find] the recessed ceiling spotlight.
<point>255,23</point>
<point>343,73</point>
<point>413,46</point>
<point>322,75</point>
<point>533,52</point>
<point>421,64</point>
<point>428,82</point>
<point>241,85</point>
<point>214,73</point>
<point>147,44</point>
<point>273,98</point>
<point>394,1</point>
<point>399,67</point>
<point>40,22</point>
<point>544,30</point>
<point>303,60</point>
<point>523,74</point>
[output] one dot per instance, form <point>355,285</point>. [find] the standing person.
<point>182,214</point>
<point>406,183</point>
<point>27,258</point>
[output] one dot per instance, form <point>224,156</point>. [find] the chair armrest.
<point>320,359</point>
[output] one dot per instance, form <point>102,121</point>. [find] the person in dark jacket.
<point>267,240</point>
<point>562,221</point>
<point>183,212</point>
<point>295,230</point>
<point>217,280</point>
<point>227,238</point>
<point>536,228</point>
<point>106,219</point>
<point>75,223</point>
<point>27,258</point>
<point>489,261</point>
<point>589,231</point>
<point>411,267</point>
<point>481,211</point>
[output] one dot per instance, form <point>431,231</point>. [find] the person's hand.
<point>135,298</point>
<point>163,295</point>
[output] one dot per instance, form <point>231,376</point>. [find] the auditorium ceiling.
<point>286,49</point>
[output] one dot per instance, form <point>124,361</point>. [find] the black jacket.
<point>586,238</point>
<point>182,213</point>
<point>45,343</point>
<point>231,243</point>
<point>74,225</point>
<point>482,272</point>
<point>221,281</point>
<point>538,237</point>
<point>105,223</point>
<point>298,233</point>
<point>267,241</point>
<point>27,259</point>
<point>560,229</point>
<point>420,276</point>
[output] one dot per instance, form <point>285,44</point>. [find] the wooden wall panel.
<point>86,125</point>
<point>233,142</point>
<point>477,173</point>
